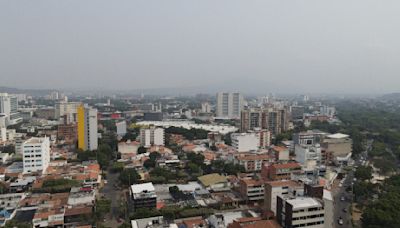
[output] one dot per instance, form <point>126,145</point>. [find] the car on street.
<point>342,198</point>
<point>340,221</point>
<point>345,210</point>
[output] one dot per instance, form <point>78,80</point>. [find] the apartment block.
<point>87,128</point>
<point>153,136</point>
<point>229,105</point>
<point>143,196</point>
<point>300,212</point>
<point>36,155</point>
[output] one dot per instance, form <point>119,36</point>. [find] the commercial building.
<point>340,145</point>
<point>300,212</point>
<point>143,196</point>
<point>309,156</point>
<point>87,128</point>
<point>244,142</point>
<point>273,189</point>
<point>309,137</point>
<point>229,105</point>
<point>36,155</point>
<point>152,136</point>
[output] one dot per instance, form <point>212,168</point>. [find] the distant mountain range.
<point>32,92</point>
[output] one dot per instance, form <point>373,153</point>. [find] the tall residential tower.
<point>87,128</point>
<point>229,105</point>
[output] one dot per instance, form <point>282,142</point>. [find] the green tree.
<point>149,163</point>
<point>117,167</point>
<point>129,176</point>
<point>363,173</point>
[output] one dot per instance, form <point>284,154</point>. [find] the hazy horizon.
<point>272,46</point>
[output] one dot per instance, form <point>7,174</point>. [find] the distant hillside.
<point>32,92</point>
<point>391,96</point>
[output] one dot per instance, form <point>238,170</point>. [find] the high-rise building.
<point>275,120</point>
<point>87,128</point>
<point>36,155</point>
<point>278,121</point>
<point>205,107</point>
<point>67,110</point>
<point>153,136</point>
<point>251,119</point>
<point>9,108</point>
<point>229,105</point>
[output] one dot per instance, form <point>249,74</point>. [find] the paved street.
<point>341,205</point>
<point>111,193</point>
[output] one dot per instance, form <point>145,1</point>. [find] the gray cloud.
<point>288,46</point>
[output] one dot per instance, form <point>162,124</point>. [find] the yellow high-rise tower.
<point>87,128</point>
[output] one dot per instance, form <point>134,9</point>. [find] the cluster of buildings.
<point>265,185</point>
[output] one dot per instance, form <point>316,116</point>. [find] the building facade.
<point>244,142</point>
<point>87,128</point>
<point>300,212</point>
<point>229,105</point>
<point>36,155</point>
<point>153,136</point>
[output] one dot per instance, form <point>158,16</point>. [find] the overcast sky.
<point>282,46</point>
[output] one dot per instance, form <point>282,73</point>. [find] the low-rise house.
<point>255,222</point>
<point>281,153</point>
<point>82,195</point>
<point>215,182</point>
<point>251,190</point>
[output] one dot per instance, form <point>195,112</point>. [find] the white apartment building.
<point>205,107</point>
<point>229,105</point>
<point>121,128</point>
<point>36,155</point>
<point>244,142</point>
<point>152,136</point>
<point>309,156</point>
<point>9,108</point>
<point>273,189</point>
<point>300,212</point>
